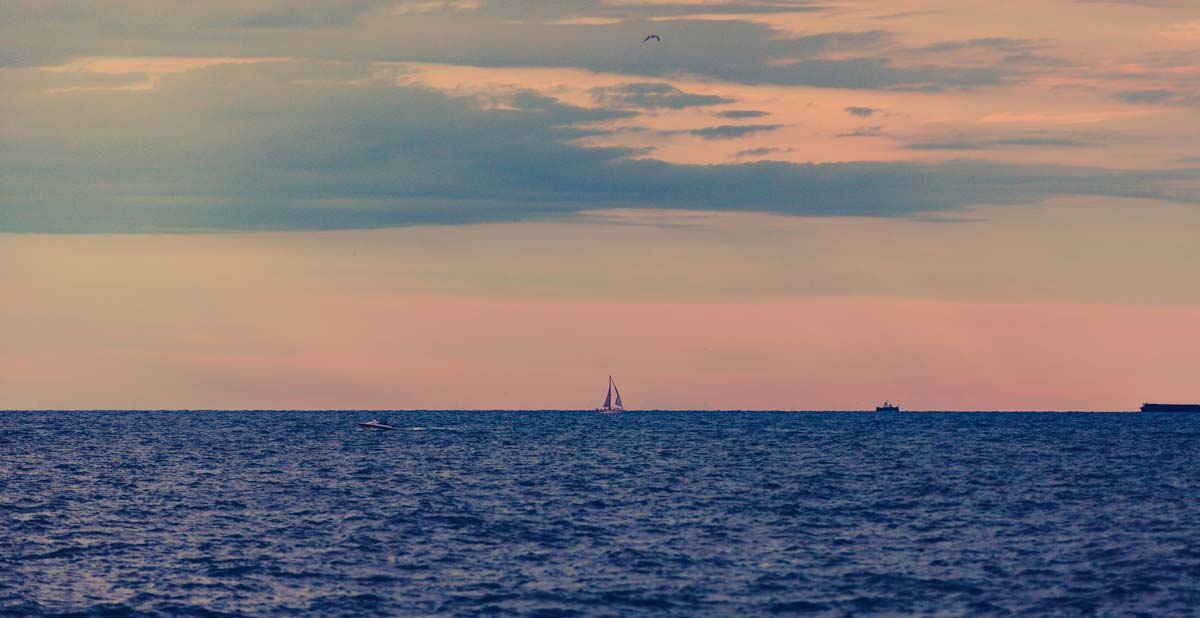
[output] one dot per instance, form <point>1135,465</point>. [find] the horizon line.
<point>581,410</point>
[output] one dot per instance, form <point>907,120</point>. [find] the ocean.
<point>276,513</point>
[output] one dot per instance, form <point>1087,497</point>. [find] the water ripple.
<point>567,514</point>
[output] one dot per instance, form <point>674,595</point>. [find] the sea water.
<point>580,514</point>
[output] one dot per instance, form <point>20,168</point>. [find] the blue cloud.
<point>1146,96</point>
<point>758,152</point>
<point>988,144</point>
<point>653,96</point>
<point>270,146</point>
<point>517,33</point>
<point>730,131</point>
<point>742,113</point>
<point>875,131</point>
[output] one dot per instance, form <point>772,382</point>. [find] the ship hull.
<point>1171,407</point>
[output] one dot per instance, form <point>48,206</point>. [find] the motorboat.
<point>375,424</point>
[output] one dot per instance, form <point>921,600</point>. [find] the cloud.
<point>1153,3</point>
<point>584,21</point>
<point>1146,96</point>
<point>1013,58</point>
<point>15,80</point>
<point>304,145</point>
<point>989,144</point>
<point>990,43</point>
<point>875,131</point>
<point>759,152</point>
<point>651,95</point>
<point>635,9</point>
<point>730,131</point>
<point>742,113</point>
<point>1026,59</point>
<point>409,8</point>
<point>601,37</point>
<point>861,112</point>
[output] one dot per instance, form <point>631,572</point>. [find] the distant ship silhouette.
<point>887,407</point>
<point>1171,407</point>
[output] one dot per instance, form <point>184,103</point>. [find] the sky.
<point>466,204</point>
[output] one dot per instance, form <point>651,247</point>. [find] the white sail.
<point>608,399</point>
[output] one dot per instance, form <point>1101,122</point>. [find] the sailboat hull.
<point>608,411</point>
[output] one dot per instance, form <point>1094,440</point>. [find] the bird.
<point>652,36</point>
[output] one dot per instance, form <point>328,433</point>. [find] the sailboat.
<point>609,406</point>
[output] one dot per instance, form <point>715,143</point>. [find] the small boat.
<point>611,407</point>
<point>887,407</point>
<point>375,424</point>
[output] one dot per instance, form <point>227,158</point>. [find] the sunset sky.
<point>408,204</point>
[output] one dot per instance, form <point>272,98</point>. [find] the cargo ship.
<point>1171,407</point>
<point>887,407</point>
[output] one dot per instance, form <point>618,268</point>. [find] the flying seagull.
<point>652,36</point>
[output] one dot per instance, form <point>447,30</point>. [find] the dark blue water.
<point>566,514</point>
